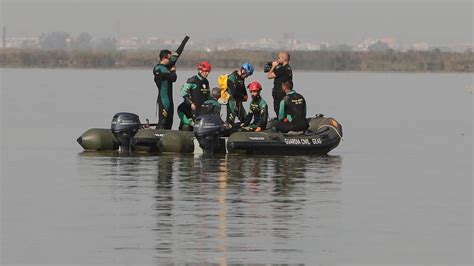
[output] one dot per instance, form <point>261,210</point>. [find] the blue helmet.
<point>248,68</point>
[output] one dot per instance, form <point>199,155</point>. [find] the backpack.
<point>222,84</point>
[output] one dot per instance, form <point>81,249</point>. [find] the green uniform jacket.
<point>258,110</point>
<point>211,107</point>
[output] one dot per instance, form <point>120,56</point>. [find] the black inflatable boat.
<point>323,135</point>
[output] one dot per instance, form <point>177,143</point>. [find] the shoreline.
<point>313,61</point>
<point>231,69</point>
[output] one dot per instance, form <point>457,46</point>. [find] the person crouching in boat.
<point>292,112</point>
<point>258,110</point>
<point>195,92</point>
<point>212,106</point>
<point>185,114</point>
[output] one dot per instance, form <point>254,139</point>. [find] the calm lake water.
<point>397,190</point>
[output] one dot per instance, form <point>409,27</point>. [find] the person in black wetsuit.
<point>292,112</point>
<point>279,72</point>
<point>164,79</point>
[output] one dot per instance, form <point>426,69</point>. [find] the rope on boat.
<point>335,129</point>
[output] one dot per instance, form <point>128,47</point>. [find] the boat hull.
<point>322,136</point>
<point>145,140</point>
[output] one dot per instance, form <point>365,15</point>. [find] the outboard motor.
<point>124,127</point>
<point>208,129</point>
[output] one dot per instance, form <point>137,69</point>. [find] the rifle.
<point>179,51</point>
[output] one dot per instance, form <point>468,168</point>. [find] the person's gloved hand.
<point>285,120</point>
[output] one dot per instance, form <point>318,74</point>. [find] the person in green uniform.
<point>292,112</point>
<point>237,93</point>
<point>258,110</point>
<point>212,106</point>
<point>185,114</point>
<point>195,92</point>
<point>165,74</point>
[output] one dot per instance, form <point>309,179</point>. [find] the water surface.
<point>397,190</point>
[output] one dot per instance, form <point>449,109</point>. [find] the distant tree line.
<point>390,60</point>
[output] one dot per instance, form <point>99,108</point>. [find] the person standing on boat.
<point>279,72</point>
<point>292,112</point>
<point>195,92</point>
<point>164,78</point>
<point>238,93</point>
<point>258,110</point>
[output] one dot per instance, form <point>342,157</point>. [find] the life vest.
<point>201,93</point>
<point>222,84</point>
<point>295,106</point>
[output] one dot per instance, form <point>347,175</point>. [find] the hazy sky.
<point>441,22</point>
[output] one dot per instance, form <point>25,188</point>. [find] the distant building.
<point>420,46</point>
<point>22,42</point>
<point>341,48</point>
<point>391,42</point>
<point>29,44</point>
<point>132,43</point>
<point>364,45</point>
<point>378,46</point>
<point>324,46</point>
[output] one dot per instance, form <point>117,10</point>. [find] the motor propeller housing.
<point>208,129</point>
<point>124,126</point>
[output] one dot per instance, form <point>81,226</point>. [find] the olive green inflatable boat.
<point>145,140</point>
<point>127,133</point>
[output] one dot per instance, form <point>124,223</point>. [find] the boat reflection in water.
<point>226,209</point>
